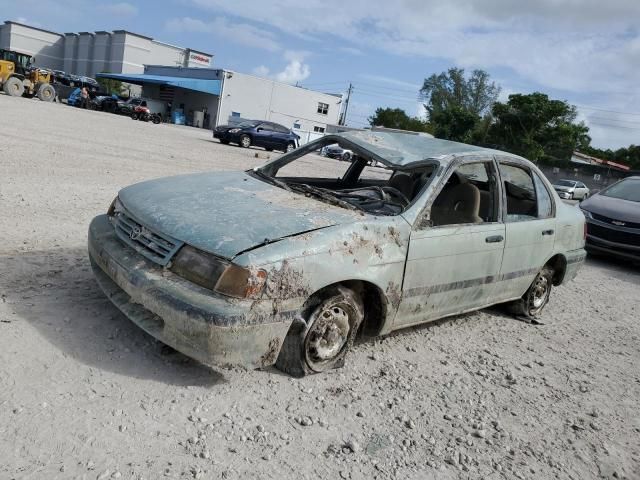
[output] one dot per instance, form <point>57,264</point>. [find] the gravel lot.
<point>86,394</point>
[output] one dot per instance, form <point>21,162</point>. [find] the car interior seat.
<point>457,204</point>
<point>403,183</point>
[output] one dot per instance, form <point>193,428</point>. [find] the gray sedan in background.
<point>571,189</point>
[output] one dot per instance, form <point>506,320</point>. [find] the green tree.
<point>397,118</point>
<point>475,94</point>
<point>458,107</point>
<point>537,128</point>
<point>110,86</point>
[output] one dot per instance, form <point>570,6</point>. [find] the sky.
<point>584,51</point>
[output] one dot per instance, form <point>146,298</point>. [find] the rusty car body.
<point>260,267</point>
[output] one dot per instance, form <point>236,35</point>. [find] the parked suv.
<point>269,135</point>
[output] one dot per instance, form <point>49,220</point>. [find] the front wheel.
<point>322,340</point>
<point>134,116</point>
<point>536,297</point>
<point>245,141</point>
<point>290,147</point>
<point>346,156</point>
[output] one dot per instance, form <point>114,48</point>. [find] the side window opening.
<point>520,191</point>
<point>468,196</point>
<point>545,206</point>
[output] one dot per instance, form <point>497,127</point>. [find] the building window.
<point>297,125</point>
<point>323,108</point>
<point>235,114</point>
<point>318,129</point>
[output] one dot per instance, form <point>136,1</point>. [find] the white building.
<point>88,54</point>
<point>226,96</point>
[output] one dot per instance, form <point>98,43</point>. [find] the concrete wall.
<point>265,99</point>
<point>165,54</point>
<point>47,47</point>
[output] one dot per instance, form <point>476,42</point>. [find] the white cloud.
<point>295,71</point>
<point>222,27</point>
<point>121,9</point>
<point>391,81</point>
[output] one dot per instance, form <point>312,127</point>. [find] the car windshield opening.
<point>628,189</point>
<point>341,175</point>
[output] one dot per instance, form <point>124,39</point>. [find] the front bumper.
<point>209,327</point>
<point>612,240</point>
<point>564,195</point>
<point>229,137</point>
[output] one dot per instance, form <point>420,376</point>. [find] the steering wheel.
<point>394,192</point>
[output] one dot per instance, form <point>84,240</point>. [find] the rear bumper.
<point>575,260</point>
<point>211,328</point>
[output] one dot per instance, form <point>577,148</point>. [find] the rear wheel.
<point>346,156</point>
<point>245,141</point>
<point>536,297</point>
<point>13,87</point>
<point>46,92</point>
<point>322,340</point>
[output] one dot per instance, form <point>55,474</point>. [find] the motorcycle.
<point>145,115</point>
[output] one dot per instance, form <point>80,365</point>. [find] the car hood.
<point>611,207</point>
<point>227,213</point>
<point>562,188</point>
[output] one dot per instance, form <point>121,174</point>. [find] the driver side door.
<point>454,262</point>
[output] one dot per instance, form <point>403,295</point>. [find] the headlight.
<point>218,275</point>
<point>586,213</point>
<point>234,130</point>
<point>115,206</point>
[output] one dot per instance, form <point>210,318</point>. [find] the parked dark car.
<point>269,135</point>
<point>613,219</point>
<point>105,103</point>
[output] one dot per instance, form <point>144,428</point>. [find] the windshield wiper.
<point>326,195</point>
<point>271,180</point>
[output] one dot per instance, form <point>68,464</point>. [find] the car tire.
<point>290,147</point>
<point>245,141</point>
<point>268,149</point>
<point>536,297</point>
<point>13,87</point>
<point>320,339</point>
<point>346,156</point>
<point>224,142</point>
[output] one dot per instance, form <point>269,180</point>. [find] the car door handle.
<point>494,239</point>
<point>547,232</point>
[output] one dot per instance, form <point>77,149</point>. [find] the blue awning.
<point>195,84</point>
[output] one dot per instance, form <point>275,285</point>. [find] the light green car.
<point>285,264</point>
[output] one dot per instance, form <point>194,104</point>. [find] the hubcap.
<point>245,141</point>
<point>540,290</point>
<point>289,148</point>
<point>328,335</point>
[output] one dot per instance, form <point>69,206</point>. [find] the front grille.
<point>612,235</point>
<point>604,219</point>
<point>156,247</point>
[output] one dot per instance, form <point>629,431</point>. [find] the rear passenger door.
<point>530,228</point>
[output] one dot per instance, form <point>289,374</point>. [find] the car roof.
<point>404,149</point>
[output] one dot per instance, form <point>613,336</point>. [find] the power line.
<point>586,107</point>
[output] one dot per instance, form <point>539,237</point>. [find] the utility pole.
<point>343,117</point>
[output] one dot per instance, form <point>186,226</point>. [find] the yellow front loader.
<point>19,78</point>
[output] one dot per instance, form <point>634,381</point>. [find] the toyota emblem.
<point>135,233</point>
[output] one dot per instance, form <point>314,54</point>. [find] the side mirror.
<point>32,60</point>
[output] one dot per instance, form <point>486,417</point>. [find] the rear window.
<point>628,189</point>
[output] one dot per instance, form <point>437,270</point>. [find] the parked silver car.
<point>571,189</point>
<point>284,264</point>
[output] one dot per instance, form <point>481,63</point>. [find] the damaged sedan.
<point>287,263</point>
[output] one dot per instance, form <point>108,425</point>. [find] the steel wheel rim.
<point>328,335</point>
<point>540,292</point>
